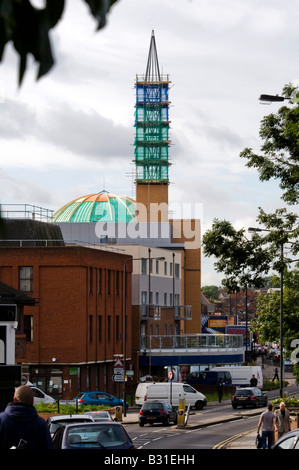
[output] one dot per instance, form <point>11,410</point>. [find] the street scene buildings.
<point>108,277</point>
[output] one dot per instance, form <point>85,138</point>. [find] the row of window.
<point>170,272</point>
<point>167,299</point>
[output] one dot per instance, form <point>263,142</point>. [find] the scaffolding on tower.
<point>152,123</point>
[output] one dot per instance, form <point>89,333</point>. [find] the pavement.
<point>245,440</point>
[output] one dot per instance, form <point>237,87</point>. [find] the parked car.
<point>99,398</point>
<point>249,396</point>
<point>101,415</point>
<point>55,421</point>
<point>40,396</point>
<point>290,440</point>
<point>157,412</point>
<point>92,436</point>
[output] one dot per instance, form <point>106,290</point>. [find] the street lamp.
<point>251,230</point>
<point>272,98</point>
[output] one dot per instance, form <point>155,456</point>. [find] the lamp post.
<point>272,98</point>
<point>254,229</point>
<point>125,318</point>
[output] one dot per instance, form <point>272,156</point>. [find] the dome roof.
<point>100,207</point>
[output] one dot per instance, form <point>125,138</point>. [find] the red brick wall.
<point>66,287</point>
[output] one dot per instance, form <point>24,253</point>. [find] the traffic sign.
<point>118,363</point>
<point>118,378</point>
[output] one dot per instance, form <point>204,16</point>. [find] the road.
<point>170,437</point>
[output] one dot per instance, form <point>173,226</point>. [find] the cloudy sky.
<point>71,133</point>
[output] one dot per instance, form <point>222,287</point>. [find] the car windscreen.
<point>152,406</point>
<point>243,393</point>
<point>55,424</point>
<point>99,435</point>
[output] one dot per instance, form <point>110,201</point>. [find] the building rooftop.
<point>100,207</point>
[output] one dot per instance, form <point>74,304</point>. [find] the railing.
<point>25,211</point>
<point>183,312</point>
<point>193,342</point>
<point>150,312</point>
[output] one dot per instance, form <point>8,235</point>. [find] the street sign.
<point>118,371</point>
<point>118,378</point>
<point>118,363</point>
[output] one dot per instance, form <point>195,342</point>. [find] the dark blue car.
<point>99,398</point>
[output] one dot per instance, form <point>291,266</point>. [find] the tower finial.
<point>152,73</point>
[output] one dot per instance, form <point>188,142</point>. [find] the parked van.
<point>209,377</point>
<point>171,392</point>
<point>241,375</point>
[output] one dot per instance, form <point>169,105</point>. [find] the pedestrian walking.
<point>275,374</point>
<point>220,389</point>
<point>267,422</point>
<point>20,423</point>
<point>283,420</point>
<point>253,381</point>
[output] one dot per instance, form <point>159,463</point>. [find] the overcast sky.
<point>71,133</point>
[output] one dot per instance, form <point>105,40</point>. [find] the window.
<point>100,281</point>
<point>165,298</point>
<point>150,265</point>
<point>157,298</point>
<point>143,266</point>
<point>28,327</point>
<point>170,269</point>
<point>100,327</point>
<point>26,278</point>
<point>117,328</point>
<point>90,280</point>
<point>109,328</point>
<point>165,268</point>
<point>177,270</point>
<point>157,266</point>
<point>90,327</point>
<point>144,297</point>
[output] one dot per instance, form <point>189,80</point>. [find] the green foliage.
<point>210,292</point>
<point>289,402</point>
<point>67,409</point>
<point>243,262</point>
<point>279,158</point>
<point>28,28</point>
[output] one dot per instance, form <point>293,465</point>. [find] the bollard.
<point>181,417</point>
<point>118,413</point>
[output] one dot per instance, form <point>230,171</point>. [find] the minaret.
<point>152,141</point>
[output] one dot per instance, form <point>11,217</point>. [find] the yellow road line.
<point>231,439</point>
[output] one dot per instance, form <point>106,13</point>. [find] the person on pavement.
<point>283,420</point>
<point>267,422</point>
<point>19,422</point>
<point>253,381</point>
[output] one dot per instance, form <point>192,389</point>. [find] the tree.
<point>28,28</point>
<point>280,150</point>
<point>210,292</point>
<point>267,320</point>
<point>242,261</point>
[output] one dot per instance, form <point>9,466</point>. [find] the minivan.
<point>209,378</point>
<point>171,392</point>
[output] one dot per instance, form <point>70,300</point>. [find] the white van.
<point>241,375</point>
<point>171,392</point>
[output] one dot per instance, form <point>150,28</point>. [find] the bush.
<point>67,409</point>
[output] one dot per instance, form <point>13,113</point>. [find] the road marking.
<point>231,439</point>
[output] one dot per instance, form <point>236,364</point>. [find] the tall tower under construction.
<point>152,140</point>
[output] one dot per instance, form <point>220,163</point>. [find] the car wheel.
<point>141,425</point>
<point>234,406</point>
<point>199,405</point>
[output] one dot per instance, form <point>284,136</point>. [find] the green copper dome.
<point>100,207</point>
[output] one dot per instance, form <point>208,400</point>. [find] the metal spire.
<point>152,73</point>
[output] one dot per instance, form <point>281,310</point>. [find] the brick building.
<point>76,327</point>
